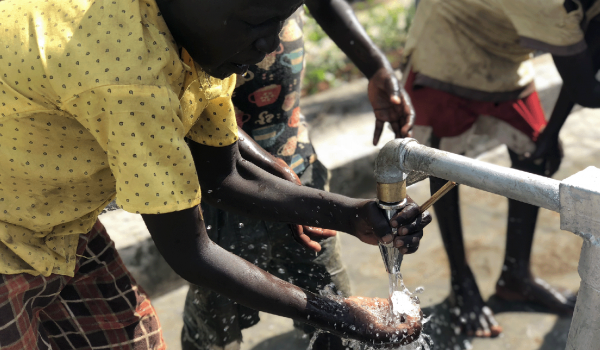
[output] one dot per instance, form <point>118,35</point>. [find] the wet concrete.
<point>555,252</point>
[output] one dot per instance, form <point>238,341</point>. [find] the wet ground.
<point>555,252</point>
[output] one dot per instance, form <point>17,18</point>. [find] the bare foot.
<point>536,290</point>
<point>470,313</point>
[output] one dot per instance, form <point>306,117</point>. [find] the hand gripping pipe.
<point>401,156</point>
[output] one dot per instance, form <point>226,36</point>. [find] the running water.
<point>402,303</point>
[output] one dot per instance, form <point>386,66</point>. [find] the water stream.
<point>402,304</point>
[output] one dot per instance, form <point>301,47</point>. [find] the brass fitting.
<point>391,193</point>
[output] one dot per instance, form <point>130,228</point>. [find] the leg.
<point>473,316</point>
<point>516,281</point>
<point>102,307</point>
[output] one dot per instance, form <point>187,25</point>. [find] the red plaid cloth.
<point>101,307</point>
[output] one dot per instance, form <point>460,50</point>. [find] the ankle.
<point>515,270</point>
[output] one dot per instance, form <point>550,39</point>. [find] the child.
<point>97,101</point>
<point>470,74</point>
<point>267,105</point>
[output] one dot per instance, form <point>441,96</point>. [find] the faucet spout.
<point>391,196</point>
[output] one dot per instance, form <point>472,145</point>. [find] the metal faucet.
<point>391,198</point>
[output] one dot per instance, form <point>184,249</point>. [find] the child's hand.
<point>549,150</point>
<point>371,226</point>
<point>305,235</point>
<point>369,317</point>
<point>390,103</point>
<point>285,172</point>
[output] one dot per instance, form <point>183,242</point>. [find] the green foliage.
<point>327,66</point>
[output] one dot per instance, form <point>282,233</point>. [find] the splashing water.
<point>402,303</point>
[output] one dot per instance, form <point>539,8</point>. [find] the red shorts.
<point>101,307</point>
<point>450,115</point>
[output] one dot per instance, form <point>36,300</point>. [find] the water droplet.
<point>251,246</point>
<point>241,225</point>
<point>208,227</point>
<point>209,191</point>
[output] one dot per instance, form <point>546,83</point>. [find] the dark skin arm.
<point>579,87</point>
<point>251,151</point>
<point>182,240</point>
<point>231,183</point>
<point>237,185</point>
<point>390,102</point>
<point>578,76</point>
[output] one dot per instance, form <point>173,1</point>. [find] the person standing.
<point>267,107</point>
<point>469,73</point>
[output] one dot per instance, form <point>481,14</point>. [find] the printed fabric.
<point>267,100</point>
<point>96,104</point>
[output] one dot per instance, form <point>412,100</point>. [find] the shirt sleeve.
<point>216,125</point>
<point>546,25</point>
<point>139,129</point>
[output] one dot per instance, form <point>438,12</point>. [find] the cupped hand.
<point>390,103</point>
<point>373,323</point>
<point>371,226</point>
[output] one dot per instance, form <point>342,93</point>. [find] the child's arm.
<point>579,78</point>
<point>234,184</point>
<point>389,101</point>
<point>253,152</point>
<point>579,86</point>
<point>182,240</point>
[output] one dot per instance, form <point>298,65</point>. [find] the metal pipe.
<point>406,155</point>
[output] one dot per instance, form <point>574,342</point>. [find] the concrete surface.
<point>342,130</point>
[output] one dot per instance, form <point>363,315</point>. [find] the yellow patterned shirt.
<point>95,104</point>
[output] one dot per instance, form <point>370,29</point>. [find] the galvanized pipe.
<point>577,198</point>
<point>406,155</point>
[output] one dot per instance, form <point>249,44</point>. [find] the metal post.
<point>577,199</point>
<point>580,214</point>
